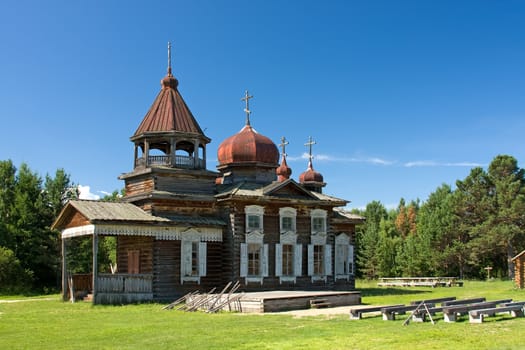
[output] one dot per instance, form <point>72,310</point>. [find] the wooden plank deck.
<point>277,301</point>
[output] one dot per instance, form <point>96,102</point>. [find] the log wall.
<point>143,244</point>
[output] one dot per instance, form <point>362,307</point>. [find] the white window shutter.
<point>339,259</point>
<point>185,259</point>
<point>310,259</point>
<point>298,257</point>
<point>278,260</point>
<point>351,259</point>
<point>202,258</point>
<point>265,261</point>
<point>328,260</point>
<point>244,260</point>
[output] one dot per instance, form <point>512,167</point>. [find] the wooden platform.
<point>276,301</point>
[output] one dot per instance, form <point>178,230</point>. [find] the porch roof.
<point>98,211</point>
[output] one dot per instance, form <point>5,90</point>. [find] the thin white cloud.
<point>328,158</point>
<point>105,193</point>
<point>431,163</point>
<point>85,193</point>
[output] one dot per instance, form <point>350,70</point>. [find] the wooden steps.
<point>318,303</point>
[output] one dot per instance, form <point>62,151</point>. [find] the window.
<point>318,260</point>
<point>287,224</point>
<point>344,257</point>
<point>193,260</point>
<point>317,224</point>
<point>287,216</point>
<point>318,221</point>
<point>254,259</point>
<point>254,218</point>
<point>254,222</point>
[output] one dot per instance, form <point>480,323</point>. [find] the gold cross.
<point>309,144</point>
<point>246,98</point>
<point>283,145</point>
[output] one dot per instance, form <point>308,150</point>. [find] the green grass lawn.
<point>53,324</point>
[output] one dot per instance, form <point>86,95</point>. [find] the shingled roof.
<point>169,112</point>
<point>97,211</point>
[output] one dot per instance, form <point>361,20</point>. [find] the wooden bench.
<point>433,301</point>
<point>419,282</point>
<point>463,301</point>
<point>389,313</point>
<point>357,312</point>
<point>450,313</point>
<point>477,316</point>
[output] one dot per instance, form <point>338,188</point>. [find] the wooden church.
<point>181,227</point>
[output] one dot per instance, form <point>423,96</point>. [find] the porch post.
<point>64,271</point>
<point>95,267</point>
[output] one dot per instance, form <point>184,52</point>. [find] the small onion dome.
<point>247,146</point>
<point>169,81</point>
<point>310,175</point>
<point>283,171</point>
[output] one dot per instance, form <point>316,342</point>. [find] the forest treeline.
<point>455,232</point>
<point>29,249</point>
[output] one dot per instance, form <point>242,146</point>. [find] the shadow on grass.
<point>372,292</point>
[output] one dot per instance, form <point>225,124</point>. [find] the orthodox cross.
<point>283,145</point>
<point>309,144</point>
<point>169,58</point>
<point>246,98</point>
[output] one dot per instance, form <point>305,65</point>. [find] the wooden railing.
<point>123,288</point>
<point>178,161</point>
<point>124,283</point>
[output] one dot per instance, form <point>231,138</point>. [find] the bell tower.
<point>169,151</point>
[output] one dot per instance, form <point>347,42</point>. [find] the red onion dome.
<point>310,175</point>
<point>247,146</point>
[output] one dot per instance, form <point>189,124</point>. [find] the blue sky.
<point>400,96</point>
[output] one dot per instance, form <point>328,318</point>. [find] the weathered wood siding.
<point>235,235</point>
<point>185,182</point>
<point>143,244</point>
<point>167,284</point>
<point>77,220</point>
<point>140,185</point>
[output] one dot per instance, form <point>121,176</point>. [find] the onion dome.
<point>310,175</point>
<point>283,171</point>
<point>247,146</point>
<point>311,179</point>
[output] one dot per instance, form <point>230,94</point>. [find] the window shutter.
<point>341,256</point>
<point>202,259</point>
<point>244,260</point>
<point>278,259</point>
<point>185,258</point>
<point>265,260</point>
<point>298,257</point>
<point>351,259</point>
<point>310,259</point>
<point>328,260</point>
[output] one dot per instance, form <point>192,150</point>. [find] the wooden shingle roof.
<point>97,211</point>
<point>168,113</point>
